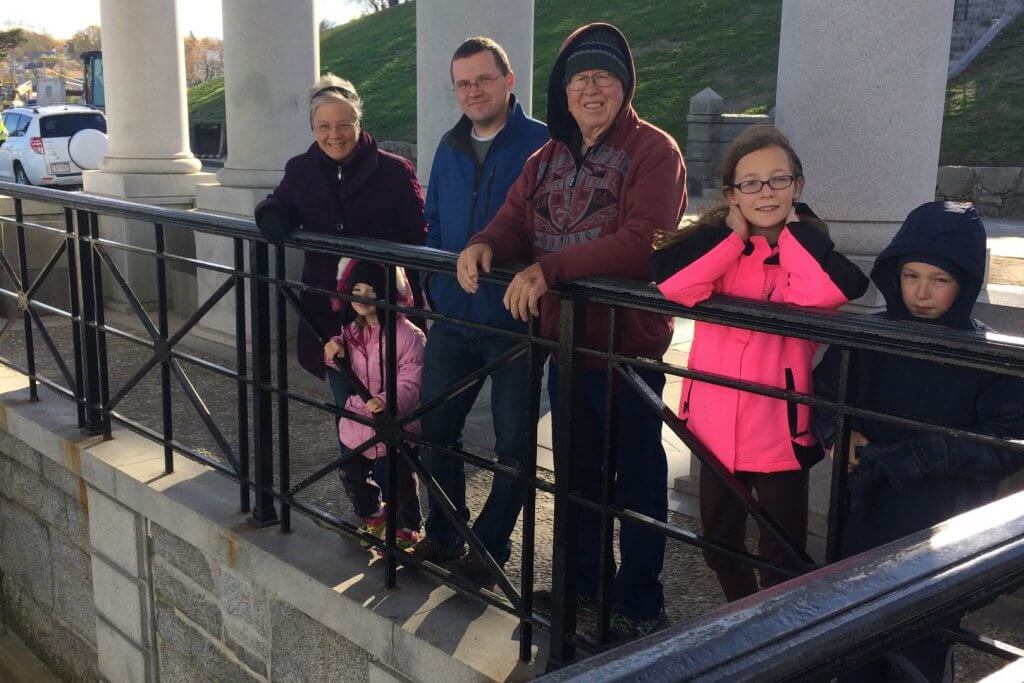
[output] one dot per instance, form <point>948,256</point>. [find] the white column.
<point>862,101</point>
<point>144,76</point>
<point>271,59</point>
<point>148,158</point>
<point>441,25</point>
<point>861,90</point>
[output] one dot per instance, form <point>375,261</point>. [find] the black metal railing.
<point>261,385</point>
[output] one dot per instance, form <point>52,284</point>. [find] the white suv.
<point>36,150</point>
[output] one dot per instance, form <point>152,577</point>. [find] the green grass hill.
<point>680,47</point>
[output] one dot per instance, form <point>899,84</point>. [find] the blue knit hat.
<point>598,49</point>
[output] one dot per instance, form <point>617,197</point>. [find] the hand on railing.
<point>275,223</point>
<point>472,259</point>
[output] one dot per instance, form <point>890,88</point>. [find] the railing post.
<point>70,252</point>
<point>165,363</point>
<point>567,515</point>
<point>24,303</point>
<point>87,267</point>
<point>283,441</point>
<point>840,461</point>
<point>263,511</point>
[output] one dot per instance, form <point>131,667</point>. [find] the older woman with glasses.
<point>342,185</point>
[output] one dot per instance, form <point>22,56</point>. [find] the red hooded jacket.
<point>595,215</point>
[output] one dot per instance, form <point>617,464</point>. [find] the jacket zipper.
<point>487,198</point>
<point>572,185</point>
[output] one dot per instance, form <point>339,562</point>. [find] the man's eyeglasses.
<point>779,182</point>
<point>579,82</point>
<point>463,87</point>
<point>344,127</point>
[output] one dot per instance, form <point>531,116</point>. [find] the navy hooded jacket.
<point>462,198</point>
<point>908,480</point>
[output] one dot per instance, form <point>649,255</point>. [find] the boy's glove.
<point>276,223</point>
<point>902,463</point>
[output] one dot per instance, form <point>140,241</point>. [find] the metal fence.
<point>264,393</point>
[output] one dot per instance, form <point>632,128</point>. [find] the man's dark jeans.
<point>450,356</point>
<point>641,485</point>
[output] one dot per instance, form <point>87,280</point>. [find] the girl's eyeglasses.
<point>779,182</point>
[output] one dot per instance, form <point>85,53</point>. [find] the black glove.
<point>902,463</point>
<point>276,223</point>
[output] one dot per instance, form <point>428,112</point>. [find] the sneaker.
<point>542,603</point>
<point>407,538</point>
<point>473,569</point>
<point>622,628</point>
<point>431,551</point>
<point>375,526</point>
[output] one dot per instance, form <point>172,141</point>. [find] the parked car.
<point>36,150</point>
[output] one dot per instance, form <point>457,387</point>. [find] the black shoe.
<point>622,628</point>
<point>435,553</point>
<point>542,603</point>
<point>471,568</point>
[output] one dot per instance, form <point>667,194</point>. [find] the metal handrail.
<point>836,617</point>
<point>91,390</point>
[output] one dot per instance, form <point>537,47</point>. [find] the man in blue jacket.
<point>475,164</point>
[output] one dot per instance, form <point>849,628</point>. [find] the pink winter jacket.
<point>749,432</point>
<point>362,347</point>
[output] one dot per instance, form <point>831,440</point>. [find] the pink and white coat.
<point>364,352</point>
<point>749,432</point>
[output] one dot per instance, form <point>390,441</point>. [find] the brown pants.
<point>783,495</point>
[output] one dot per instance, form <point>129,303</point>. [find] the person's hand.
<point>856,441</point>
<point>275,223</point>
<point>737,223</point>
<point>472,259</point>
<point>524,292</point>
<point>375,405</point>
<point>334,350</point>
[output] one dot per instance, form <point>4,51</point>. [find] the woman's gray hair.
<point>330,88</point>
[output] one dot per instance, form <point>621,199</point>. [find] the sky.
<point>63,18</point>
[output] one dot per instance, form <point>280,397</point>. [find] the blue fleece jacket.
<point>462,198</point>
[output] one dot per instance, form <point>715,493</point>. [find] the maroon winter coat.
<point>375,194</point>
<point>594,216</point>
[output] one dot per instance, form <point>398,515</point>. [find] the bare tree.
<point>85,40</point>
<point>10,39</point>
<point>372,6</point>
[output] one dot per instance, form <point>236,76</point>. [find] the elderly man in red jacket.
<point>588,203</point>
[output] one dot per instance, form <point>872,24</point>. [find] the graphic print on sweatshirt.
<point>575,208</point>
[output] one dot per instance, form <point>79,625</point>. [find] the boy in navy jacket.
<point>903,480</point>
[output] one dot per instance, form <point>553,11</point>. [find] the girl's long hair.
<point>757,137</point>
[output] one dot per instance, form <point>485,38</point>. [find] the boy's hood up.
<point>949,230</point>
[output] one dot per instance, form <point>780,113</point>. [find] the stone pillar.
<point>271,59</point>
<point>440,26</point>
<point>148,158</point>
<point>863,106</point>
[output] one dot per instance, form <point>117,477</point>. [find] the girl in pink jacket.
<point>362,343</point>
<point>762,246</point>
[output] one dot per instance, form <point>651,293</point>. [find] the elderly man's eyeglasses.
<point>779,182</point>
<point>463,87</point>
<point>581,81</point>
<point>343,127</point>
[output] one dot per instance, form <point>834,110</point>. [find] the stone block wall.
<point>996,191</point>
<point>98,592</point>
<point>709,132</point>
<point>46,595</point>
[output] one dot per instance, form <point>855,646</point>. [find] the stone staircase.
<point>971,18</point>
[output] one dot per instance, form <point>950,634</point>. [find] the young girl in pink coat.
<point>762,246</point>
<point>362,342</point>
